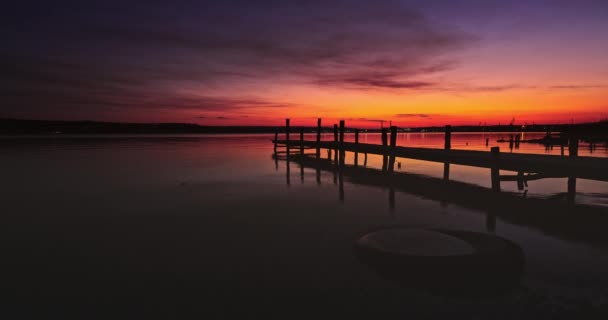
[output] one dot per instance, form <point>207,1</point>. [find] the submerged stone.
<point>443,261</point>
<point>416,242</point>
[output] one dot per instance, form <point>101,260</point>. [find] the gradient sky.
<point>241,62</point>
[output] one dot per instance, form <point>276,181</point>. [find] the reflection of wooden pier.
<point>572,222</point>
<point>527,166</point>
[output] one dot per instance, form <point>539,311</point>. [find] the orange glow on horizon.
<point>420,109</point>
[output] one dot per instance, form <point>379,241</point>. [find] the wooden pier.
<point>527,166</point>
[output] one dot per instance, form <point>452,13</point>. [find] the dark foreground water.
<point>212,226</point>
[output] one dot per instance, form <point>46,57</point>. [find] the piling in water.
<point>276,137</point>
<point>391,164</point>
<point>357,144</point>
<point>448,138</point>
<point>301,142</point>
<point>495,172</point>
<point>342,152</point>
<point>336,143</point>
<point>448,146</point>
<point>318,138</point>
<point>384,144</point>
<point>287,137</point>
<point>573,146</point>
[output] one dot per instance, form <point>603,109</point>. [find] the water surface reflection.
<point>182,222</point>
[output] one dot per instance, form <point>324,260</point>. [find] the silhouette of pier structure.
<point>527,167</point>
<point>549,215</point>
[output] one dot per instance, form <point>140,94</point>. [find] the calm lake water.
<point>209,224</point>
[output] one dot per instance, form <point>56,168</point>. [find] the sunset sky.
<point>246,62</point>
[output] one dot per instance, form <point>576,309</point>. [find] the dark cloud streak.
<point>136,56</point>
<point>414,115</point>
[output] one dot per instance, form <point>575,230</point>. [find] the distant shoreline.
<point>44,127</point>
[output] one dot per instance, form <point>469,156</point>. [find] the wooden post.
<point>336,143</point>
<point>342,152</point>
<point>287,138</point>
<point>276,137</point>
<point>573,146</point>
<point>511,143</point>
<point>335,172</point>
<point>495,171</point>
<point>447,146</point>
<point>520,180</point>
<point>391,164</point>
<point>335,132</point>
<point>356,147</point>
<point>562,149</point>
<point>448,137</point>
<point>276,162</point>
<point>302,142</point>
<point>572,152</point>
<point>384,143</point>
<point>487,141</point>
<point>318,138</point>
<point>287,170</point>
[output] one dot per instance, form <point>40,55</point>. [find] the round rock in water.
<point>420,242</point>
<point>452,262</point>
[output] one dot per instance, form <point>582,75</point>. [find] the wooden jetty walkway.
<point>526,166</point>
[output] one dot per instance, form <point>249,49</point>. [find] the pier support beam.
<point>287,138</point>
<point>276,137</point>
<point>318,138</point>
<point>276,162</point>
<point>391,163</point>
<point>520,180</point>
<point>342,152</point>
<point>573,146</point>
<point>302,142</point>
<point>447,146</point>
<point>448,137</point>
<point>318,176</point>
<point>287,170</point>
<point>495,172</point>
<point>336,143</point>
<point>572,153</point>
<point>384,147</point>
<point>357,144</point>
